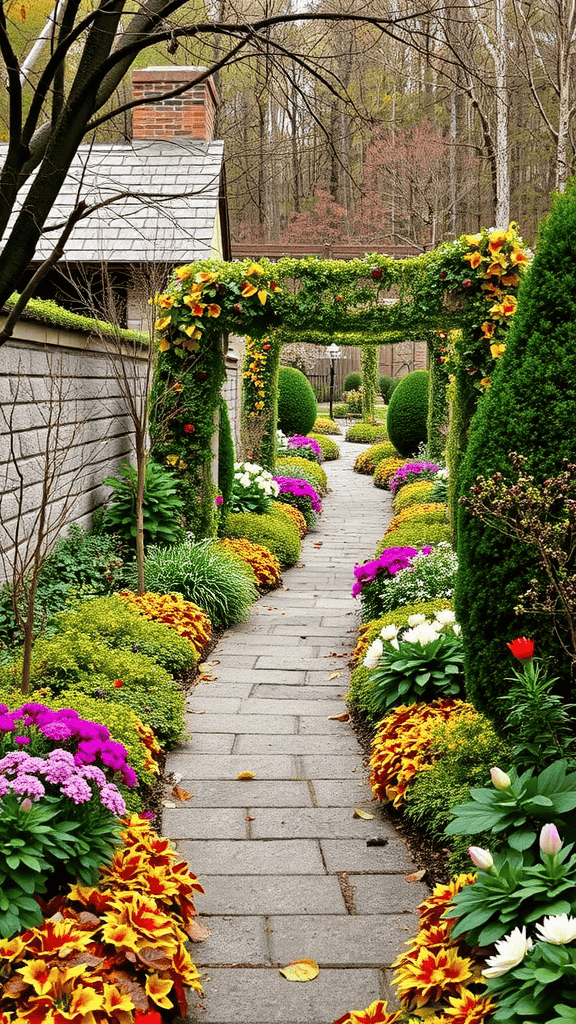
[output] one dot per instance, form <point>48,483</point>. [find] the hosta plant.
<point>417,664</point>
<point>162,508</point>
<point>512,891</point>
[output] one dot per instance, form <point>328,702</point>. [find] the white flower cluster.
<point>442,474</point>
<point>427,577</point>
<point>420,630</point>
<point>558,930</point>
<point>249,474</point>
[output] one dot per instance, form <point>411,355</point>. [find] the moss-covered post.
<point>369,386</point>
<point>260,397</point>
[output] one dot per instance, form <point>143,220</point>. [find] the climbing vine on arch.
<point>461,297</point>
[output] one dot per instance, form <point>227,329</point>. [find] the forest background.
<point>340,131</point>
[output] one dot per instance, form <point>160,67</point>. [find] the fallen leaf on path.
<point>197,932</point>
<point>417,876</point>
<point>168,803</point>
<point>272,608</point>
<point>362,814</point>
<point>207,677</point>
<point>301,970</point>
<point>319,544</point>
<point>334,675</point>
<point>248,818</point>
<point>344,717</point>
<point>181,794</point>
<point>245,775</point>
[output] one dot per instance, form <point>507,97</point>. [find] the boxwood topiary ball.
<point>297,405</point>
<point>408,413</point>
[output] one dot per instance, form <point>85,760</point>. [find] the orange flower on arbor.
<point>248,289</point>
<point>496,240</point>
<point>497,350</point>
<point>206,277</point>
<point>474,259</point>
<point>183,273</point>
<point>432,976</point>
<point>519,258</point>
<point>488,329</point>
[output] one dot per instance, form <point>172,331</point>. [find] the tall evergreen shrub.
<point>530,408</point>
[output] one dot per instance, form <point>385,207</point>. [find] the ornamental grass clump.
<point>302,495</point>
<point>431,574</point>
<point>208,575</point>
<point>253,489</point>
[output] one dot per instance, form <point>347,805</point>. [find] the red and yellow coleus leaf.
<point>157,989</point>
<point>473,258</point>
<point>248,289</point>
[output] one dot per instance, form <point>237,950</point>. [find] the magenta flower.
<point>411,469</point>
<point>391,561</point>
<point>300,488</point>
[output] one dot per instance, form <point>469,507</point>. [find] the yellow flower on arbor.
<point>162,323</point>
<point>474,259</point>
<point>183,273</point>
<point>248,289</point>
<point>213,310</point>
<point>193,332</point>
<point>497,350</point>
<point>206,277</point>
<point>473,239</point>
<point>165,301</point>
<point>254,269</point>
<point>488,329</point>
<point>509,305</point>
<point>518,258</point>
<point>164,345</point>
<point>263,295</point>
<point>496,240</point>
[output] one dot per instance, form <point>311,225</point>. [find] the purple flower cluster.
<point>391,561</point>
<point>88,741</point>
<point>33,776</point>
<point>411,469</point>
<point>300,488</point>
<point>300,441</point>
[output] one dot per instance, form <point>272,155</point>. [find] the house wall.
<point>69,423</point>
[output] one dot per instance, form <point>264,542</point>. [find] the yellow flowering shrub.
<point>367,461</point>
<point>293,514</point>
<point>324,425</point>
<point>432,512</point>
<point>117,948</point>
<point>264,564</point>
<point>184,617</point>
<point>402,745</point>
<point>385,471</point>
<point>415,493</point>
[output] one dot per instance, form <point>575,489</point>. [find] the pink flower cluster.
<point>300,489</point>
<point>390,561</point>
<point>411,471</point>
<point>36,777</point>
<point>86,741</point>
<point>300,441</point>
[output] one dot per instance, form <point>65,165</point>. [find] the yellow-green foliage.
<point>385,471</point>
<point>413,494</point>
<point>75,660</point>
<point>464,750</point>
<point>330,449</point>
<point>303,469</point>
<point>324,425</point>
<point>367,461</point>
<point>432,512</point>
<point>273,530</point>
<point>367,433</point>
<point>111,619</point>
<point>414,534</point>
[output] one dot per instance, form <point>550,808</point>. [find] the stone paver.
<point>289,872</point>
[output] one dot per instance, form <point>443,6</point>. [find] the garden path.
<point>289,872</point>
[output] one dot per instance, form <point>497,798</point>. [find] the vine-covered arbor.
<point>460,298</point>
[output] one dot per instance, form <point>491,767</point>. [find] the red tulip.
<point>522,648</point>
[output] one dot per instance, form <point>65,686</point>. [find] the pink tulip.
<point>481,859</point>
<point>550,841</point>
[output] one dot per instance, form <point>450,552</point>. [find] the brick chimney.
<point>190,115</point>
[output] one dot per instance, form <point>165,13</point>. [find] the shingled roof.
<point>157,198</point>
<point>169,206</point>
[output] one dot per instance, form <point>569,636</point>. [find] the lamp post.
<point>334,353</point>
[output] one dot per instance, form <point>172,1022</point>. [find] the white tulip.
<point>511,952</point>
<point>558,930</point>
<point>415,620</point>
<point>374,653</point>
<point>445,616</point>
<point>456,629</point>
<point>389,632</point>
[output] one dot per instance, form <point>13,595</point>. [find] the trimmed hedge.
<point>297,405</point>
<point>367,433</point>
<point>303,469</point>
<point>414,494</point>
<point>408,413</point>
<point>529,409</point>
<point>414,535</point>
<point>324,425</point>
<point>367,461</point>
<point>273,530</point>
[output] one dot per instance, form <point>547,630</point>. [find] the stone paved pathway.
<point>286,867</point>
